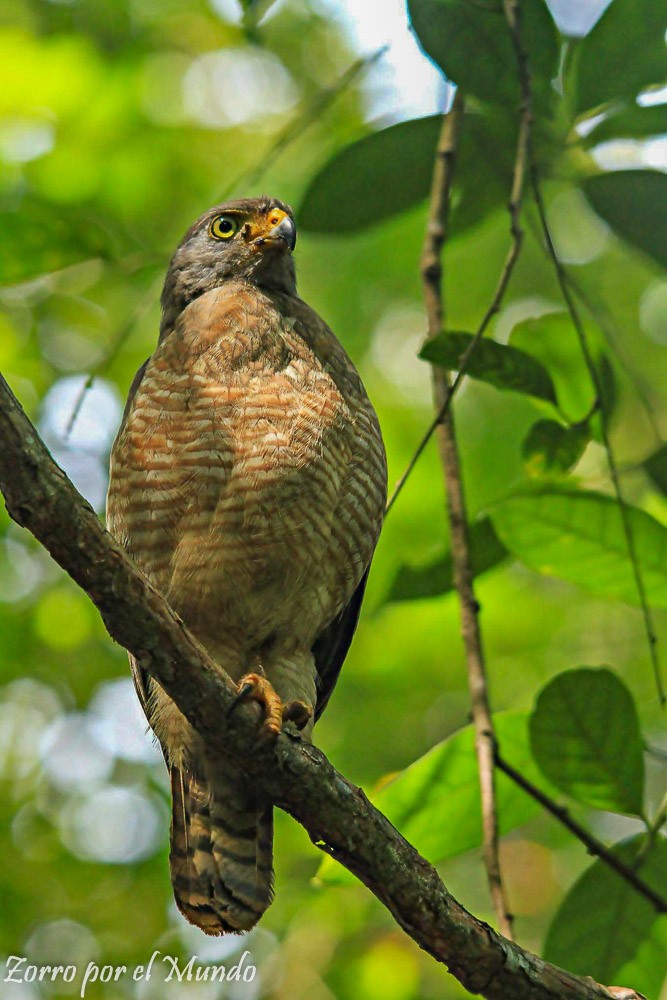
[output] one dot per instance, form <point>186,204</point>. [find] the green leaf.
<point>552,340</point>
<point>390,171</point>
<point>435,802</point>
<point>579,537</point>
<point>552,449</point>
<point>646,969</point>
<point>630,122</point>
<point>584,733</point>
<point>602,69</point>
<point>602,923</point>
<point>472,45</point>
<point>656,467</point>
<point>373,179</point>
<point>634,203</point>
<point>498,364</point>
<point>413,583</point>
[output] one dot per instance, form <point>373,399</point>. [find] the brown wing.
<point>331,646</point>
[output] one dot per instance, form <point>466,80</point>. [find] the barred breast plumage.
<point>248,481</point>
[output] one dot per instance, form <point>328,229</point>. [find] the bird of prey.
<point>248,482</point>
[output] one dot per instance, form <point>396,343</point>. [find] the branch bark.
<point>431,268</point>
<point>295,776</point>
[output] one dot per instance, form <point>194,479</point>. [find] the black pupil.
<point>225,226</point>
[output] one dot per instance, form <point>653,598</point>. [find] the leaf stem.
<point>561,274</point>
<point>591,843</point>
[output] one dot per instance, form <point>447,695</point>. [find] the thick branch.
<point>431,268</point>
<point>297,777</point>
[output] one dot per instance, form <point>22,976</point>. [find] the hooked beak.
<point>280,232</point>
<point>285,230</point>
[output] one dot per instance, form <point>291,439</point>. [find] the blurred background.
<point>120,122</point>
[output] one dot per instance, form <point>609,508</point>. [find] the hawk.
<point>248,482</point>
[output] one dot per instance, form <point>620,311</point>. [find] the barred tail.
<point>221,853</point>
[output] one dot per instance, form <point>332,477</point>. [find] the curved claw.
<point>256,687</point>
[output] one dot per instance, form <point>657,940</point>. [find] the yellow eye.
<point>223,227</point>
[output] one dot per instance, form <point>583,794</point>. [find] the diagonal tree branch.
<point>297,777</point>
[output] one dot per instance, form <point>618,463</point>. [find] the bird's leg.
<point>256,687</point>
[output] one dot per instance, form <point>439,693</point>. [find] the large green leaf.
<point>646,968</point>
<point>472,45</point>
<point>435,802</point>
<point>629,122</point>
<point>498,364</point>
<point>634,203</point>
<point>390,170</point>
<point>656,467</point>
<point>579,536</point>
<point>603,922</point>
<point>602,67</point>
<point>550,449</point>
<point>584,733</point>
<point>552,340</point>
<point>412,583</point>
<point>374,178</point>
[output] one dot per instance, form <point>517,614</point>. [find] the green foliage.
<point>584,733</point>
<point>435,801</point>
<point>634,203</point>
<point>501,366</point>
<point>373,179</point>
<point>483,60</point>
<point>550,449</point>
<point>437,577</point>
<point>600,69</point>
<point>629,121</point>
<point>579,536</point>
<point>656,467</point>
<point>602,922</point>
<point>119,123</point>
<point>389,171</point>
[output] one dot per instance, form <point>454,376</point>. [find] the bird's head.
<point>251,239</point>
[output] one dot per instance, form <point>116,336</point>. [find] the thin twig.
<point>594,375</point>
<point>591,843</point>
<point>431,268</point>
<point>311,112</point>
<point>143,307</point>
<point>291,773</point>
<point>605,321</point>
<point>521,162</point>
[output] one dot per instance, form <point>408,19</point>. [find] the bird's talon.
<point>256,687</point>
<point>297,712</point>
<point>243,692</point>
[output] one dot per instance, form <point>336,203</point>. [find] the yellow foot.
<point>255,687</point>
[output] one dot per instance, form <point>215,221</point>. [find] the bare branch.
<point>431,269</point>
<point>297,777</point>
